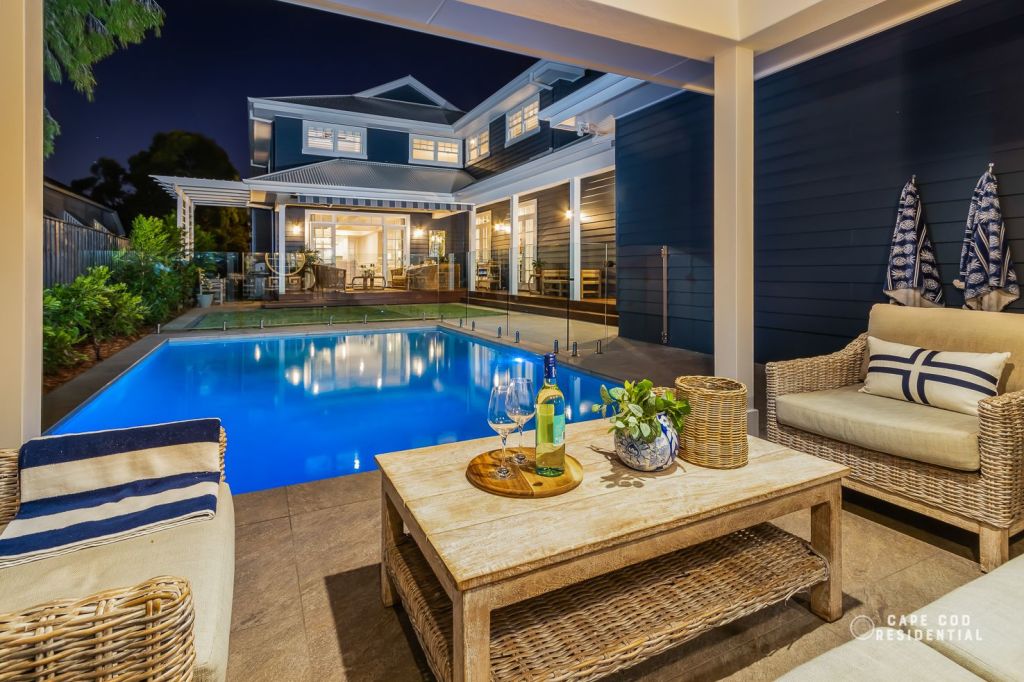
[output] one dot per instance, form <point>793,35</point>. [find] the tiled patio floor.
<point>307,604</point>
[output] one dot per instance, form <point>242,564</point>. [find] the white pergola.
<point>718,48</point>
<point>192,192</point>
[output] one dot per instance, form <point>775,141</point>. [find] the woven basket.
<point>715,432</point>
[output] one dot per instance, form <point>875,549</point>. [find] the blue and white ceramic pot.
<point>653,456</point>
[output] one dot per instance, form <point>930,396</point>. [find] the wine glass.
<point>520,406</point>
<point>499,420</point>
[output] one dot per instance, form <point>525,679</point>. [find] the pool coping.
<point>65,399</point>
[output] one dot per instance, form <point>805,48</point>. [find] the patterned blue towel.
<point>913,273</point>
<point>987,275</point>
<point>87,489</point>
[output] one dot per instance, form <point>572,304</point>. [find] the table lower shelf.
<point>614,621</point>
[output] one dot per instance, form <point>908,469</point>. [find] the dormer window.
<point>478,146</point>
<point>329,139</point>
<point>523,120</point>
<point>435,151</point>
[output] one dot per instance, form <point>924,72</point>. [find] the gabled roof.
<point>371,175</point>
<point>407,89</point>
<point>377,106</point>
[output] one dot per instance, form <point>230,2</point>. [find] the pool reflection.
<point>304,408</point>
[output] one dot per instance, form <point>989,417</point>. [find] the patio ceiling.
<point>672,43</point>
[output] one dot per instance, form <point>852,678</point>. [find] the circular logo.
<point>861,627</point>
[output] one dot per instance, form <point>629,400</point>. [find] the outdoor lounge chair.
<point>919,452</point>
<point>104,611</point>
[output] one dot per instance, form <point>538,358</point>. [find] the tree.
<point>106,183</point>
<point>80,33</point>
<point>178,153</point>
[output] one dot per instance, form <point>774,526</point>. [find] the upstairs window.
<point>327,139</point>
<point>439,151</point>
<point>523,120</point>
<point>478,146</point>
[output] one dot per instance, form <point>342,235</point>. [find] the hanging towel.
<point>913,274</point>
<point>986,265</point>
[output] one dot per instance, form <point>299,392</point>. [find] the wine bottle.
<point>550,423</point>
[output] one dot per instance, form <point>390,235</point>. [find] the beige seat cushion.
<point>918,432</point>
<point>955,329</point>
<point>202,552</point>
<point>992,644</point>
<point>886,655</point>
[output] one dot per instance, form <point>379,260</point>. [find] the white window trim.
<point>334,127</point>
<point>486,130</point>
<point>519,108</point>
<point>435,140</point>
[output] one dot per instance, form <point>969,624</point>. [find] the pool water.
<point>303,408</point>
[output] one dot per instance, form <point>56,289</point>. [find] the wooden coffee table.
<point>622,568</point>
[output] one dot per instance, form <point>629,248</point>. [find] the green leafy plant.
<point>80,33</point>
<point>153,268</point>
<point>104,309</point>
<point>61,334</point>
<point>90,309</point>
<point>635,408</point>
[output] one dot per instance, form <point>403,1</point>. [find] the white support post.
<point>191,208</point>
<point>282,267</point>
<point>575,248</point>
<point>179,216</point>
<point>474,246</point>
<point>21,219</point>
<point>513,257</point>
<point>734,217</point>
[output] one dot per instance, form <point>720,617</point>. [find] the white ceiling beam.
<point>670,42</point>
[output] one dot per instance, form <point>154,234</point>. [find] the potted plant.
<point>203,297</point>
<point>538,267</point>
<point>646,423</point>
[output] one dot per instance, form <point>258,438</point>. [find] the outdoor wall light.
<point>418,233</point>
<point>295,229</point>
<point>502,227</point>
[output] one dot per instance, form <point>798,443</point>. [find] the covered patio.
<point>853,512</point>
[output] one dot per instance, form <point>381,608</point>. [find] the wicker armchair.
<point>989,501</point>
<point>141,632</point>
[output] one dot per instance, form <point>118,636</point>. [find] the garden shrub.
<point>91,308</point>
<point>153,268</point>
<point>61,333</point>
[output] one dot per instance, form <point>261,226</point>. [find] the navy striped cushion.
<point>87,489</point>
<point>950,380</point>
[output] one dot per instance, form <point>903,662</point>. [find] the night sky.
<point>211,55</point>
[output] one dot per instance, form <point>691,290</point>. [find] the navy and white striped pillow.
<point>946,379</point>
<point>87,489</point>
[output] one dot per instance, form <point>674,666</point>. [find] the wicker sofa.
<point>154,607</point>
<point>959,469</point>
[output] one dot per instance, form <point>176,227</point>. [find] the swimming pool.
<point>303,408</point>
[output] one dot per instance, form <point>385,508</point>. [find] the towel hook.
<point>991,166</point>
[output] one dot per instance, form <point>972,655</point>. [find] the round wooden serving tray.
<point>524,482</point>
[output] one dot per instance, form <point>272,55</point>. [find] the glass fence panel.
<point>593,315</point>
